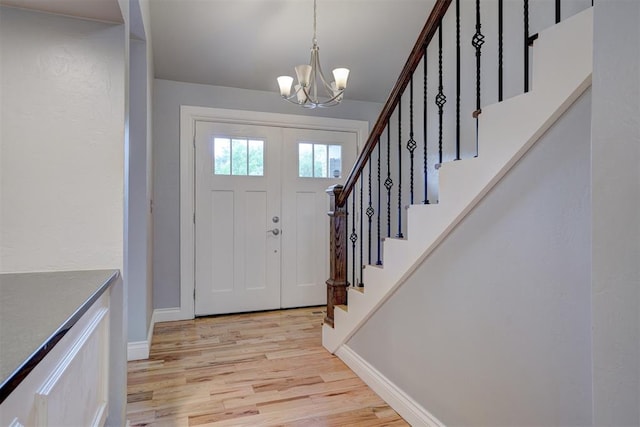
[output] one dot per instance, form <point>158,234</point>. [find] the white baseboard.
<point>139,350</point>
<point>170,314</point>
<point>403,404</point>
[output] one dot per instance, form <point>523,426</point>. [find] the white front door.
<point>261,214</point>
<point>309,167</point>
<point>237,198</point>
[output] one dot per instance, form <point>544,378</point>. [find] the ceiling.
<point>248,43</point>
<point>99,10</point>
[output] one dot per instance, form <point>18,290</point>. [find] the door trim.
<point>189,115</point>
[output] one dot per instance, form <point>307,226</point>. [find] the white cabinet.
<point>70,385</point>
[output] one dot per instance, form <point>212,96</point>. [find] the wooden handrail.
<point>430,27</point>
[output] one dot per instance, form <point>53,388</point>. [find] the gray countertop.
<point>36,310</point>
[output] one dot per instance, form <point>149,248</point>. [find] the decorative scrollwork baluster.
<point>477,42</point>
<point>388,183</point>
<point>370,211</point>
<point>354,238</point>
<point>441,99</point>
<point>411,144</point>
<point>361,259</point>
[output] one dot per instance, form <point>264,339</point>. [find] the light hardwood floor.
<point>258,369</point>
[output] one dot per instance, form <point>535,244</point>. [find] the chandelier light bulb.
<point>341,75</point>
<point>304,74</point>
<point>285,83</point>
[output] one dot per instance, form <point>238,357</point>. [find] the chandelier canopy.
<point>313,89</point>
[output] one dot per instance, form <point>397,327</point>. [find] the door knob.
<point>275,231</point>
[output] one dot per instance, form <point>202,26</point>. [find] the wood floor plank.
<point>256,369</point>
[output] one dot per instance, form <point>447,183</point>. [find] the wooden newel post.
<point>337,282</point>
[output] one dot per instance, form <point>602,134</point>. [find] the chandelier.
<point>313,90</point>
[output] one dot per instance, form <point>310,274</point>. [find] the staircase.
<point>560,73</point>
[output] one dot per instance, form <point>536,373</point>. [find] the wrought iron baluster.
<point>346,239</point>
<point>388,183</point>
<point>424,131</point>
<point>500,49</point>
<point>361,263</point>
<point>441,99</point>
<point>399,234</point>
<point>370,212</point>
<point>477,42</point>
<point>411,144</point>
<point>526,46</point>
<point>379,241</point>
<point>457,80</point>
<point>354,238</point>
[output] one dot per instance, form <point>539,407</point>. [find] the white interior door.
<point>237,177</point>
<point>313,160</point>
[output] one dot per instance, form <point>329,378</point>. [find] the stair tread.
<point>403,238</point>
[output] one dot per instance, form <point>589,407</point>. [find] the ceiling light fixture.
<point>311,80</point>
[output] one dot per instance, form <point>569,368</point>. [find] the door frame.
<point>189,115</point>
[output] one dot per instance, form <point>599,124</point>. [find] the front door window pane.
<point>335,161</point>
<point>222,156</point>
<point>238,156</point>
<point>256,157</point>
<point>305,160</point>
<point>320,160</point>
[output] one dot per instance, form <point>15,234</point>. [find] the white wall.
<point>615,176</point>
<point>168,96</point>
<point>62,124</point>
<point>494,327</point>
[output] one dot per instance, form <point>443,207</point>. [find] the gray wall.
<point>616,213</point>
<point>494,327</point>
<point>168,96</point>
<point>139,237</point>
<point>138,199</point>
